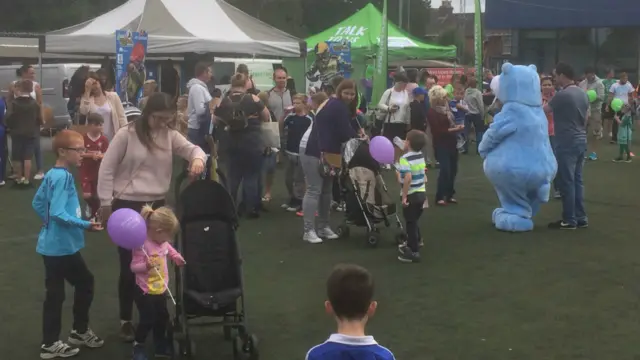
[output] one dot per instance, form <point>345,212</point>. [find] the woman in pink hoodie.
<point>137,170</point>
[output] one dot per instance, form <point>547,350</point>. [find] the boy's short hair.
<point>95,119</point>
<point>25,86</point>
<point>416,140</point>
<point>301,97</point>
<point>64,139</point>
<point>319,97</point>
<point>350,291</point>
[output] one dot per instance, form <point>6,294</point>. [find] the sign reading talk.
<point>349,33</point>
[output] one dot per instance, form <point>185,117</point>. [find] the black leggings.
<point>73,269</point>
<point>154,316</point>
<point>127,281</point>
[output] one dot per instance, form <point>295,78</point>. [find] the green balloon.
<point>592,95</point>
<point>449,89</point>
<point>369,72</point>
<point>616,105</point>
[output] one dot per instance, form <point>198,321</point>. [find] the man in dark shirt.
<point>570,108</point>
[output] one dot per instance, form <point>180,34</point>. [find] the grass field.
<point>478,294</point>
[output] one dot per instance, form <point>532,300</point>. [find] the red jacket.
<point>440,124</point>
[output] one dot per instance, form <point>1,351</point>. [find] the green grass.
<point>478,294</point>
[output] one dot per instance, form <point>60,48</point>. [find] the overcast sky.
<point>456,5</point>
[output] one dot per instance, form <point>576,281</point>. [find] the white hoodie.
<point>198,102</point>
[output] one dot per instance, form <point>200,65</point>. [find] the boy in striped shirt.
<point>411,175</point>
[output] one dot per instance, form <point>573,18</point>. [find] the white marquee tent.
<point>178,27</point>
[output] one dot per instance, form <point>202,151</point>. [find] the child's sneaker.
<point>311,237</point>
<point>628,160</point>
<point>39,176</point>
<point>88,339</point>
<point>299,213</point>
<point>2,183</point>
<point>593,156</point>
<point>618,159</point>
<point>58,350</point>
<point>139,352</point>
<point>408,256</point>
<point>327,233</point>
<point>127,331</point>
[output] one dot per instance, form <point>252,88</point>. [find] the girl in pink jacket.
<point>149,264</point>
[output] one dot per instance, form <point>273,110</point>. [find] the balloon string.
<point>166,285</point>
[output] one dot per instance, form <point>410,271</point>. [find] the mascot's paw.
<point>510,222</point>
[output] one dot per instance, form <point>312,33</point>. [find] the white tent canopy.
<point>177,27</point>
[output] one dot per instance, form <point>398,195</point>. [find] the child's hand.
<point>151,264</point>
<point>405,202</point>
<point>180,261</point>
<point>96,156</point>
<point>95,226</point>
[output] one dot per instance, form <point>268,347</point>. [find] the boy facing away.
<point>295,125</point>
<point>24,121</point>
<point>60,241</point>
<point>412,177</point>
<point>96,145</point>
<point>350,300</point>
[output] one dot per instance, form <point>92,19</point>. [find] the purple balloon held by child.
<point>127,228</point>
<point>381,149</point>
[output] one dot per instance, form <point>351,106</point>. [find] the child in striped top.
<point>412,177</point>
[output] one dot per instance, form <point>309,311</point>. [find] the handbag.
<point>271,134</point>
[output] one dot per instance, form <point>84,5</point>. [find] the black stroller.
<point>211,283</point>
<point>365,194</point>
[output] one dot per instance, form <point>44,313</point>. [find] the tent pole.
<point>40,69</point>
<point>400,10</point>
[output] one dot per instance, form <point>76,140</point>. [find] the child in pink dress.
<point>149,264</point>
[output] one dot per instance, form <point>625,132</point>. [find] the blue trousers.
<point>569,179</point>
<point>4,153</point>
<point>245,168</point>
<point>448,159</point>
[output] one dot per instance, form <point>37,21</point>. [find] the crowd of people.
<point>129,164</point>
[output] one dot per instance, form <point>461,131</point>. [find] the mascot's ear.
<point>533,67</point>
<point>506,67</point>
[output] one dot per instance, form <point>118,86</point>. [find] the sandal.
<point>266,199</point>
<point>441,203</point>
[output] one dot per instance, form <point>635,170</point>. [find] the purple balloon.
<point>127,228</point>
<point>382,150</point>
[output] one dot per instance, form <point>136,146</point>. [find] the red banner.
<point>444,75</point>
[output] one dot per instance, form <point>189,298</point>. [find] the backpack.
<point>238,120</point>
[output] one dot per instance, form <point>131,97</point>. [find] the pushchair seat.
<point>217,300</point>
<point>377,201</point>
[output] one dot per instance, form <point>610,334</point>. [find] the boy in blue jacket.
<point>60,241</point>
<point>350,293</point>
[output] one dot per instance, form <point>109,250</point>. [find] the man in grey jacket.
<point>198,105</point>
<point>475,115</point>
<point>592,82</point>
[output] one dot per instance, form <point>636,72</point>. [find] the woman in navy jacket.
<point>331,128</point>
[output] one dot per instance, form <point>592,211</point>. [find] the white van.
<point>261,70</point>
<point>54,81</point>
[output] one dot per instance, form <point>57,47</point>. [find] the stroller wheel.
<point>401,238</point>
<point>245,347</point>
<point>184,349</point>
<point>372,238</point>
<point>344,231</point>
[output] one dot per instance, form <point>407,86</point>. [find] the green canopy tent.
<point>362,30</point>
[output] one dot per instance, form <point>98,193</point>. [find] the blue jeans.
<point>4,153</point>
<point>448,159</point>
<point>552,140</point>
<point>245,168</point>
<point>569,179</point>
<point>479,127</point>
<point>268,168</point>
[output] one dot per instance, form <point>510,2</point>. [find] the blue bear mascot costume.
<point>518,159</point>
